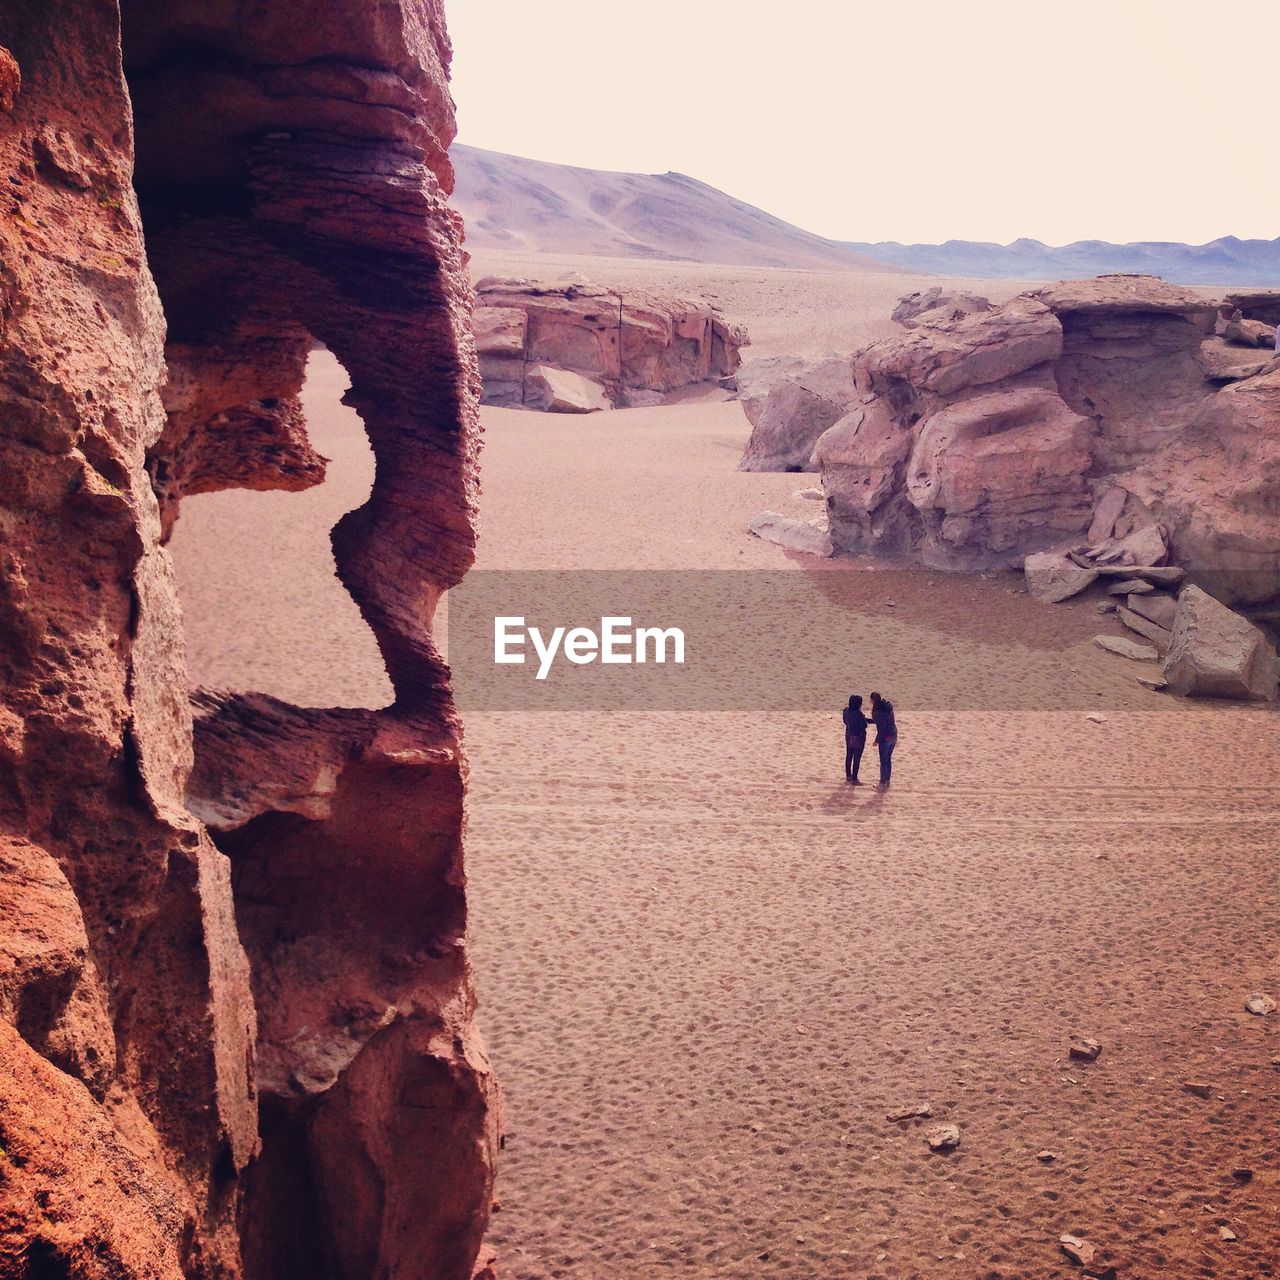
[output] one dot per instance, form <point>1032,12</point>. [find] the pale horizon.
<point>993,123</point>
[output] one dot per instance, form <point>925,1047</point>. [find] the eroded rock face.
<point>256,1056</point>
<point>620,349</point>
<point>790,403</point>
<point>984,434</point>
<point>128,1097</point>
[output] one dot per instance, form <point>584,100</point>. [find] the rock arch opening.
<point>292,176</point>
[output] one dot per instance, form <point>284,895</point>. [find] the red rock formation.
<point>983,434</point>
<point>256,1058</point>
<point>621,349</point>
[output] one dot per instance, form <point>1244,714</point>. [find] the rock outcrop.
<point>578,348</point>
<point>790,403</point>
<point>235,1006</point>
<point>982,434</point>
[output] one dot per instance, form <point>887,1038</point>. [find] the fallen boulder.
<point>1216,653</point>
<point>1053,577</point>
<point>562,391</point>
<point>793,535</point>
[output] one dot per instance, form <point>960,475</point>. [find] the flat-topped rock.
<point>638,345</point>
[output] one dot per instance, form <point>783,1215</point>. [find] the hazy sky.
<point>912,120</point>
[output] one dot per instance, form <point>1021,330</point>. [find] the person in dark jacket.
<point>886,735</point>
<point>855,738</point>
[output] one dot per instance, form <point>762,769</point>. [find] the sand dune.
<point>530,206</point>
<point>709,969</point>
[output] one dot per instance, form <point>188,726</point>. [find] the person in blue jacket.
<point>886,735</point>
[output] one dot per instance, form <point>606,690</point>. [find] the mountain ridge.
<point>1228,260</point>
<point>509,202</point>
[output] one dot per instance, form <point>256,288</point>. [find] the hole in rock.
<point>264,609</point>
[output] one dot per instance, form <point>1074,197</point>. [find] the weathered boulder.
<point>936,306</point>
<point>793,535</point>
<point>789,404</point>
<point>975,350</point>
<point>560,391</point>
<point>1235,328</point>
<point>637,345</point>
<point>1216,653</point>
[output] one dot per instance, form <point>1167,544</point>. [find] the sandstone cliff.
<point>577,348</point>
<point>235,1005</point>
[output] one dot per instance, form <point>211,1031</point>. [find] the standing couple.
<point>855,736</point>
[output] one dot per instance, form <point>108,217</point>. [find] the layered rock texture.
<point>580,348</point>
<point>983,434</point>
<point>235,1006</point>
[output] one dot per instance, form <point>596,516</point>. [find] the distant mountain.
<point>1228,261</point>
<point>511,203</point>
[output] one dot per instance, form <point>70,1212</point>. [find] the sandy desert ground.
<point>709,969</point>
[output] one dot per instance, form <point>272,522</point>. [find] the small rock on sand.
<point>1083,1049</point>
<point>1260,1004</point>
<point>943,1137</point>
<point>1158,683</point>
<point>794,535</point>
<point>1081,1252</point>
<point>915,1111</point>
<point>814,495</point>
<point>1046,1157</point>
<point>1198,1087</point>
<point>1225,1233</point>
<point>1096,717</point>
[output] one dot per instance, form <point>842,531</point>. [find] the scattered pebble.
<point>1081,1252</point>
<point>1083,1049</point>
<point>1046,1157</point>
<point>1225,1233</point>
<point>1096,717</point>
<point>915,1111</point>
<point>943,1137</point>
<point>1198,1087</point>
<point>1260,1004</point>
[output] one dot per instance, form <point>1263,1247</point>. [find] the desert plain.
<point>710,971</point>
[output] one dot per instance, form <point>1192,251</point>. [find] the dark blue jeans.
<point>852,755</point>
<point>886,758</point>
